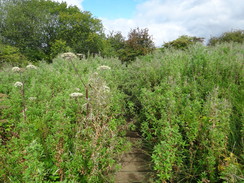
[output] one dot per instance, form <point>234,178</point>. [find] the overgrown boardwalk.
<point>135,164</point>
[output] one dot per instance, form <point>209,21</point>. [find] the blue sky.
<point>167,19</point>
<point>111,9</point>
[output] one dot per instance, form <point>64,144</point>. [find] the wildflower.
<point>15,69</point>
<point>91,117</point>
<point>80,55</point>
<point>106,89</point>
<point>18,84</point>
<point>30,66</point>
<point>103,67</point>
<point>32,98</point>
<point>68,56</point>
<point>77,89</point>
<point>95,74</point>
<point>76,95</point>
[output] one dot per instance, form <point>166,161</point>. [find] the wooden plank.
<point>135,166</point>
<point>135,157</point>
<point>127,177</point>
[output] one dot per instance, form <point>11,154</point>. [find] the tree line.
<point>32,30</point>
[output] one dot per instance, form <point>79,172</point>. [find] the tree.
<point>81,31</point>
<point>183,42</point>
<point>233,36</point>
<point>139,42</point>
<point>34,26</point>
<point>114,42</point>
<point>11,55</point>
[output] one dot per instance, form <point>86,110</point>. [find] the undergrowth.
<point>66,122</point>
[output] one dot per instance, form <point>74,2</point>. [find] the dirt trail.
<point>135,164</point>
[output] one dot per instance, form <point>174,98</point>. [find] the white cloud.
<point>168,19</point>
<point>77,3</point>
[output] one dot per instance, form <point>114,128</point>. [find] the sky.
<point>167,19</point>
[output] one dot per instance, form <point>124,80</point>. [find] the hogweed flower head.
<point>103,67</point>
<point>32,98</point>
<point>106,89</point>
<point>16,69</point>
<point>30,66</point>
<point>68,56</point>
<point>18,84</point>
<point>76,95</point>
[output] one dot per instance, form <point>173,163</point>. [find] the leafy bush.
<point>182,42</point>
<point>57,134</point>
<point>11,55</point>
<point>186,105</point>
<point>232,36</point>
<point>139,43</point>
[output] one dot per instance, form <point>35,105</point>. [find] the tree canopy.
<point>139,43</point>
<point>183,42</point>
<point>232,36</point>
<point>34,26</point>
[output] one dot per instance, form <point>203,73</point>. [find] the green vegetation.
<point>187,105</point>
<point>53,130</point>
<point>41,29</point>
<point>183,42</point>
<point>233,36</point>
<point>139,43</point>
<point>34,26</point>
<point>64,119</point>
<point>189,108</point>
<point>11,55</point>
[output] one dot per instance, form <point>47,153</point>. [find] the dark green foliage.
<point>189,107</point>
<point>34,27</point>
<point>116,42</point>
<point>58,46</point>
<point>183,42</point>
<point>139,43</point>
<point>233,36</point>
<point>53,137</point>
<point>11,55</point>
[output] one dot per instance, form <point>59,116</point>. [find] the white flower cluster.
<point>106,89</point>
<point>80,56</point>
<point>76,95</point>
<point>18,84</point>
<point>103,67</point>
<point>68,56</point>
<point>30,66</point>
<point>15,69</point>
<point>32,98</point>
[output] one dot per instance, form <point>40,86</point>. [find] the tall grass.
<point>187,105</point>
<point>57,139</point>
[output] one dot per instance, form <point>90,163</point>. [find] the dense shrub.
<point>182,42</point>
<point>139,43</point>
<point>189,110</point>
<point>11,55</point>
<point>63,123</point>
<point>232,36</point>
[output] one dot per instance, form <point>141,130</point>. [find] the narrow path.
<point>135,164</point>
